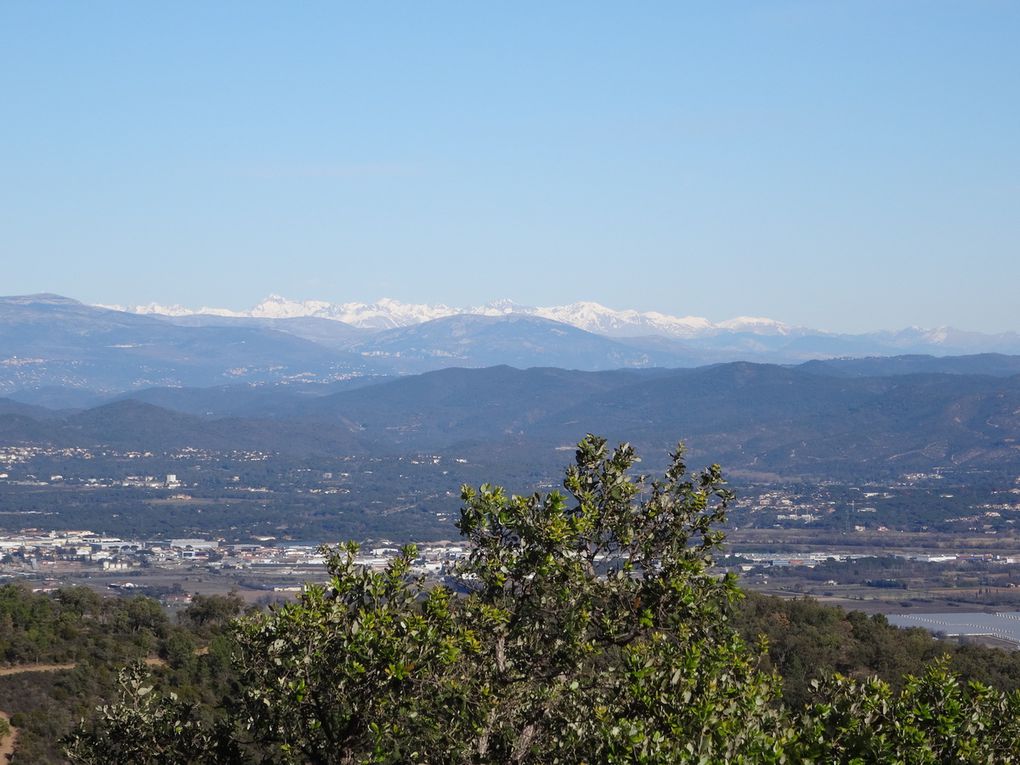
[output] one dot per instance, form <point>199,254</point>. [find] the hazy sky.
<point>844,165</point>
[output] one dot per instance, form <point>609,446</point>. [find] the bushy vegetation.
<point>96,636</point>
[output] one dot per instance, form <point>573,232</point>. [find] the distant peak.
<point>506,305</point>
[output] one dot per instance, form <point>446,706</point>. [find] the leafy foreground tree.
<point>589,629</point>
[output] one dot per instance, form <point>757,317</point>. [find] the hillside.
<point>746,416</point>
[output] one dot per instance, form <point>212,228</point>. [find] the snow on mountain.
<point>172,310</point>
<point>276,307</point>
<point>596,318</point>
<point>502,307</point>
<point>383,314</point>
<point>388,314</point>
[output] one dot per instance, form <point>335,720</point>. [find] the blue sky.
<point>844,165</point>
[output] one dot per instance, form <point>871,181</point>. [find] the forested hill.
<point>815,419</point>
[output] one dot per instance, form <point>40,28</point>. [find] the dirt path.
<point>23,668</point>
<point>11,739</point>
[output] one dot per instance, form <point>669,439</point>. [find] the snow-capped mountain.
<point>596,318</point>
<point>388,314</point>
<point>739,337</point>
<point>383,314</point>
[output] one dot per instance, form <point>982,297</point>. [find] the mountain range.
<point>59,351</point>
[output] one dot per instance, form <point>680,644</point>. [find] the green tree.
<point>205,613</point>
<point>607,636</point>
